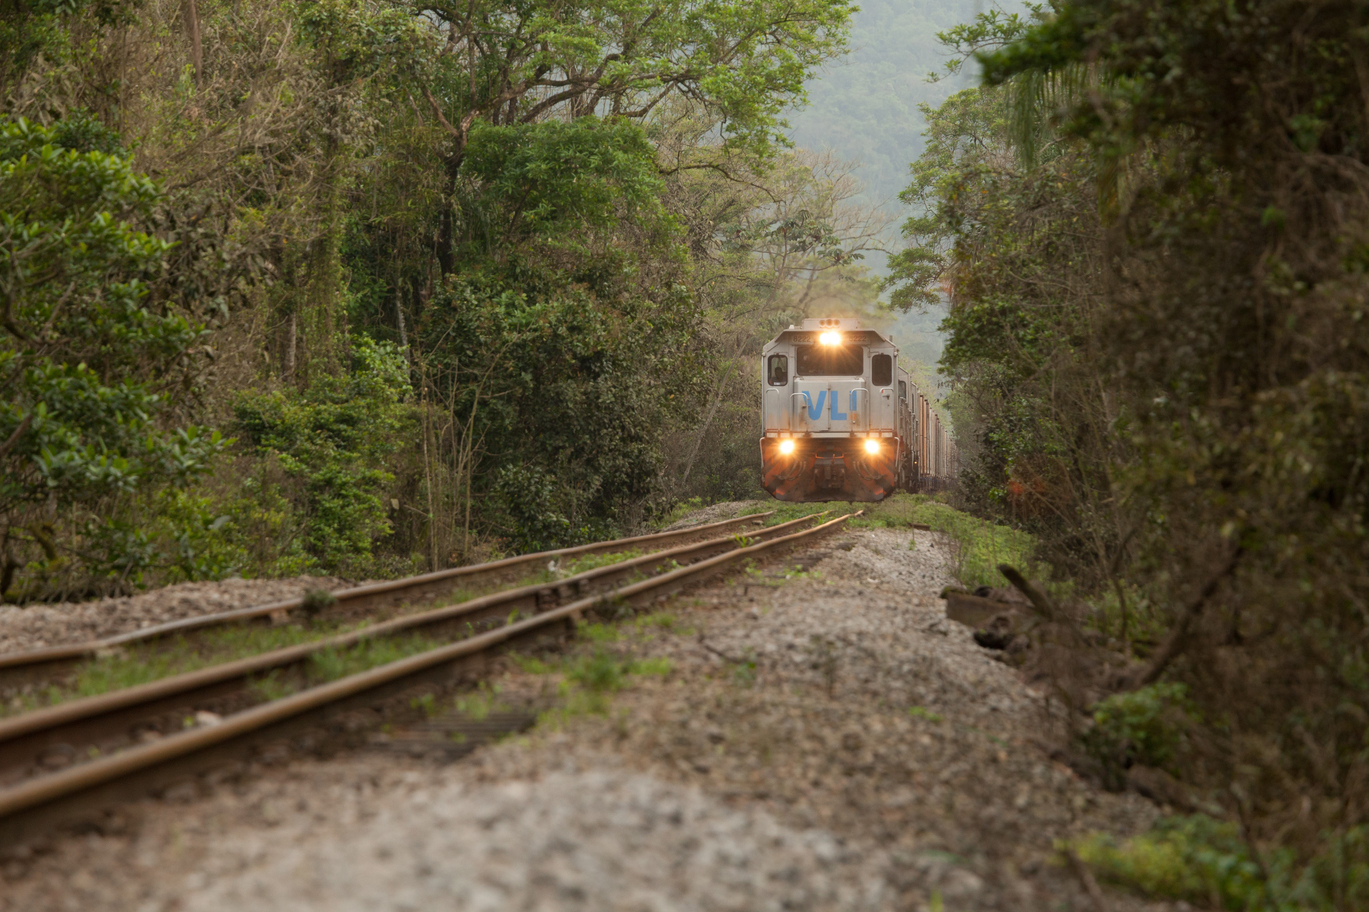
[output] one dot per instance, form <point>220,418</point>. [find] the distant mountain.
<point>864,107</point>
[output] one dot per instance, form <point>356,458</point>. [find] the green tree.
<point>95,368</point>
<point>1208,286</point>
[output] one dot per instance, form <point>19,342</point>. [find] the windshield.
<point>830,360</point>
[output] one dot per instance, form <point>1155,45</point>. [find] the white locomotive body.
<point>842,421</point>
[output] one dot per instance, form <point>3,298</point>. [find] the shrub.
<point>1143,726</point>
<point>329,442</point>
<point>98,371</point>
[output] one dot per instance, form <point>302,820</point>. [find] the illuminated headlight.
<point>830,337</point>
<point>786,447</point>
<point>872,446</point>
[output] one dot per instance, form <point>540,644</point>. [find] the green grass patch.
<point>774,577</point>
<point>645,625</point>
<point>681,510</point>
<point>589,678</point>
<point>148,662</point>
<point>588,681</point>
<point>980,545</point>
<point>784,512</point>
<point>1206,861</point>
<point>598,633</point>
<point>334,663</point>
<point>595,561</point>
<point>918,712</point>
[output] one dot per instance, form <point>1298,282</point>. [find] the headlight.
<point>786,447</point>
<point>831,337</point>
<point>871,445</point>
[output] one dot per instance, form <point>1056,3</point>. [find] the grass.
<point>919,712</point>
<point>332,663</point>
<point>144,663</point>
<point>587,681</point>
<point>980,545</point>
<point>1208,862</point>
<point>784,511</point>
<point>774,578</point>
<point>681,510</point>
<point>595,561</point>
<point>645,626</point>
<point>589,678</point>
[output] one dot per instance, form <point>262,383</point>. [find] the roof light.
<point>830,338</point>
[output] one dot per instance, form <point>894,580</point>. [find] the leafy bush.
<point>328,443</point>
<point>1207,861</point>
<point>1144,726</point>
<point>97,370</point>
<point>1193,858</point>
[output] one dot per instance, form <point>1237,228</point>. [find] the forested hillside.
<point>864,105</point>
<point>370,288</point>
<point>1152,223</point>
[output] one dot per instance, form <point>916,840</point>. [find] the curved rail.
<point>36,804</point>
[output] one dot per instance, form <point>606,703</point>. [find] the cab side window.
<point>778,370</point>
<point>903,389</point>
<point>882,370</point>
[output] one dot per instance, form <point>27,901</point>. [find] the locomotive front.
<point>831,413</point>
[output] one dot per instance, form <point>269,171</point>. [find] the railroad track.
<point>43,665</point>
<point>114,746</point>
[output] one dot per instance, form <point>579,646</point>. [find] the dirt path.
<point>824,739</point>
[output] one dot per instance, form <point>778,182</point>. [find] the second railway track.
<point>101,739</point>
<point>42,665</point>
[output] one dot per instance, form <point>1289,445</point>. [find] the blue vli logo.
<point>815,409</point>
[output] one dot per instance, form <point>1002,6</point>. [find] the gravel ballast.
<point>824,739</point>
<point>576,841</point>
<point>33,626</point>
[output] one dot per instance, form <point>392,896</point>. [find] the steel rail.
<point>25,738</point>
<point>359,598</point>
<point>32,806</point>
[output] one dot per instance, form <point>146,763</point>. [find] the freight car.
<point>842,421</point>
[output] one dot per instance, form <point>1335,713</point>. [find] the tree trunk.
<point>291,337</point>
<point>192,31</point>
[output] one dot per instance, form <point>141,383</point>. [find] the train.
<point>842,421</point>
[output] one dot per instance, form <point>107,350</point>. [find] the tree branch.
<point>18,432</point>
<point>1177,641</point>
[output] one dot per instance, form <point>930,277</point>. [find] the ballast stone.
<point>571,841</point>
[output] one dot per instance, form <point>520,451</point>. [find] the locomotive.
<point>842,421</point>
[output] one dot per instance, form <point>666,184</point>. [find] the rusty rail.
<point>17,666</point>
<point>24,739</point>
<point>35,805</point>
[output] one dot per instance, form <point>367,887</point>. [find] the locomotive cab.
<point>831,413</point>
<point>842,421</point>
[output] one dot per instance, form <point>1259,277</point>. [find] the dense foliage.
<point>1153,222</point>
<point>447,279</point>
<point>92,357</point>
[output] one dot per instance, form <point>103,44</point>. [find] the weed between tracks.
<point>588,679</point>
<point>144,663</point>
<point>331,664</point>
